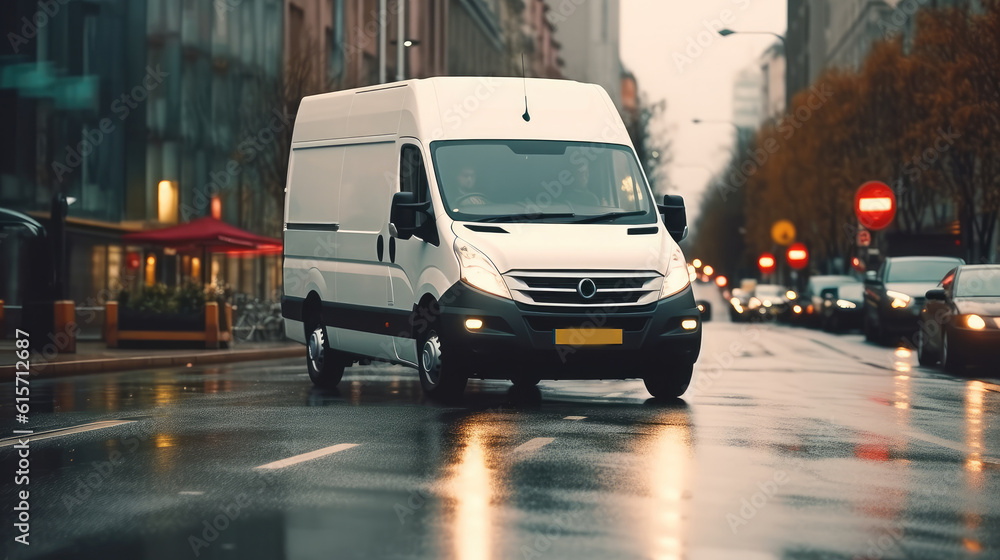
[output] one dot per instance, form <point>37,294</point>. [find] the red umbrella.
<point>208,234</point>
<point>204,232</point>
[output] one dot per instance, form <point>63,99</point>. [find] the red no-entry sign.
<point>767,263</point>
<point>875,205</point>
<point>798,256</point>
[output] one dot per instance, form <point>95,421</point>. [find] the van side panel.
<point>376,112</point>
<point>313,191</point>
<point>312,216</point>
<point>366,188</point>
<point>322,117</point>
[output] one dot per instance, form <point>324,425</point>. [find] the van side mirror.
<point>403,218</point>
<point>830,293</point>
<point>935,295</point>
<point>871,276</point>
<point>674,216</point>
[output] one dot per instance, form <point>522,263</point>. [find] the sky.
<point>658,39</point>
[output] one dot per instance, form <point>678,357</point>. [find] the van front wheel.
<point>326,366</point>
<point>670,385</point>
<point>442,375</point>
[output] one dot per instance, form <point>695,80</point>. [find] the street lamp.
<point>728,32</point>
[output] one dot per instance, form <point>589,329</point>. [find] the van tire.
<point>443,375</point>
<point>670,385</point>
<point>325,365</point>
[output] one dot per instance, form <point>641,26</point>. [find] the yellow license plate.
<point>587,337</point>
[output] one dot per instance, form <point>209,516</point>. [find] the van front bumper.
<point>520,338</point>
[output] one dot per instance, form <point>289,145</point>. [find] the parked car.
<point>960,320</point>
<point>842,306</point>
<point>738,305</point>
<point>811,299</point>
<point>768,302</point>
<point>894,295</point>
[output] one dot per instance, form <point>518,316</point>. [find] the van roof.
<point>464,108</point>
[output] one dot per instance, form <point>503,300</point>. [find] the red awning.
<point>208,233</point>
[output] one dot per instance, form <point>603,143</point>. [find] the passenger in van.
<point>577,191</point>
<point>467,193</point>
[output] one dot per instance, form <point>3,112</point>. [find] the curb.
<point>105,365</point>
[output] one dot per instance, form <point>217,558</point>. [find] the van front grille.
<point>562,288</point>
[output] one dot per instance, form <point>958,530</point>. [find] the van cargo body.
<point>482,227</point>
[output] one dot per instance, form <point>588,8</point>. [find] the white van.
<point>497,228</point>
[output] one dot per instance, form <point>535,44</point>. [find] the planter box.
<point>211,329</point>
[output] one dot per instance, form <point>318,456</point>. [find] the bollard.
<point>211,325</point>
<point>111,324</point>
<point>64,325</point>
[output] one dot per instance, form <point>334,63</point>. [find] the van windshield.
<point>542,180</point>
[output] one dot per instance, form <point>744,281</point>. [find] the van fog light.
<point>473,324</point>
<point>689,324</point>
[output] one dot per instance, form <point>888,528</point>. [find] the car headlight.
<point>975,322</point>
<point>754,303</point>
<point>478,271</point>
<point>677,277</point>
<point>767,303</point>
<point>844,304</point>
<point>899,299</point>
<point>790,294</point>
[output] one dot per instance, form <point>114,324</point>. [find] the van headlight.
<point>478,271</point>
<point>677,277</point>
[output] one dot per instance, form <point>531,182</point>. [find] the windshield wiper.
<point>527,217</point>
<point>610,216</point>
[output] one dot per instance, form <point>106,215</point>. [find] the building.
<point>147,113</point>
<point>840,33</point>
<point>128,107</point>
<point>589,37</point>
<point>748,101</point>
<point>773,68</point>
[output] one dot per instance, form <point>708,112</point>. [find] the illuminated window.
<point>167,202</point>
<point>150,270</point>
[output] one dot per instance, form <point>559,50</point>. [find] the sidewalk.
<point>96,357</point>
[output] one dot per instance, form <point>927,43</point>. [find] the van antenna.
<point>525,116</point>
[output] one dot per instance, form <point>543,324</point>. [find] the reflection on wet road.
<point>790,444</point>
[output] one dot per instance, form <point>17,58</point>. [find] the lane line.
<point>613,395</point>
<point>66,431</point>
<point>533,444</point>
<point>574,418</point>
<point>308,456</point>
<point>190,493</point>
<point>964,449</point>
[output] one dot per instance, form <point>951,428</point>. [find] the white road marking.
<point>190,493</point>
<point>574,418</point>
<point>533,444</point>
<point>308,456</point>
<point>613,395</point>
<point>66,431</point>
<point>949,445</point>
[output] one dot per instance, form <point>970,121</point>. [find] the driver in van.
<point>577,191</point>
<point>467,193</point>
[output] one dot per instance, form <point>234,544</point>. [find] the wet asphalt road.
<point>791,444</point>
